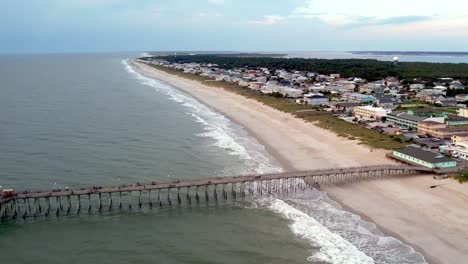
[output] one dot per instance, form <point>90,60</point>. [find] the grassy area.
<point>461,176</point>
<point>419,107</point>
<point>451,110</point>
<point>351,131</point>
<point>340,127</point>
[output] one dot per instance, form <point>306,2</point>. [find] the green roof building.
<point>405,120</point>
<point>454,120</point>
<point>425,112</point>
<point>417,156</point>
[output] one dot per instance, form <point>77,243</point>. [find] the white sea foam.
<point>226,135</point>
<point>365,236</point>
<point>333,248</point>
<point>342,237</point>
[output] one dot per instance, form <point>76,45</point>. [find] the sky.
<point>34,26</point>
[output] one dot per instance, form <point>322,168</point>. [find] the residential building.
<point>463,112</point>
<point>425,112</point>
<point>459,138</point>
<point>369,112</point>
<point>417,156</point>
<point>424,93</point>
<point>291,92</point>
<point>417,86</point>
<point>457,85</point>
<point>455,120</point>
<point>427,127</point>
<point>344,107</point>
<point>461,97</point>
<point>439,130</point>
<point>358,98</point>
<point>446,102</point>
<point>387,102</point>
<point>316,88</point>
<point>405,120</point>
<point>256,85</point>
<point>315,99</point>
<point>392,82</point>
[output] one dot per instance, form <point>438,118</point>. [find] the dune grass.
<point>327,121</point>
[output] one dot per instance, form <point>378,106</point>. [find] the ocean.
<point>76,120</point>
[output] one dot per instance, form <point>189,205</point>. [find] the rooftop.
<point>406,116</point>
<point>451,117</point>
<point>424,155</point>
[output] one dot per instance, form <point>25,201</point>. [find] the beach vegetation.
<point>461,176</point>
<point>321,119</point>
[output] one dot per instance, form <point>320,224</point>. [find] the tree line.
<point>364,68</point>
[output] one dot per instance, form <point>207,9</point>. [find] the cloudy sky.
<point>241,25</point>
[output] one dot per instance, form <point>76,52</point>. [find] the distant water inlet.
<point>183,193</point>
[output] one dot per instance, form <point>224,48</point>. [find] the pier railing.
<point>24,205</point>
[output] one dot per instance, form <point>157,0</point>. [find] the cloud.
<point>403,20</point>
<point>371,12</point>
<point>268,20</point>
<point>397,20</point>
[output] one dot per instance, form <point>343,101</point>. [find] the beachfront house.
<point>315,99</point>
<point>369,112</point>
<point>344,107</point>
<point>291,92</point>
<point>405,120</point>
<point>417,156</point>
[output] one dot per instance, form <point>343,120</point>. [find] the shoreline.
<point>344,148</point>
<point>387,232</point>
<point>305,147</point>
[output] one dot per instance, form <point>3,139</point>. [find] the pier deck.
<point>41,203</point>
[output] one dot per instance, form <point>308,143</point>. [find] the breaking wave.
<point>340,237</point>
<point>224,133</point>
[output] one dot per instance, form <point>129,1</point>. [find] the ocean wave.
<point>333,248</point>
<point>225,134</point>
<point>342,237</point>
<point>365,236</point>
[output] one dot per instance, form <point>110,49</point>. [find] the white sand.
<point>433,220</point>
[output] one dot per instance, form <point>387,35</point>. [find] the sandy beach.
<point>433,221</point>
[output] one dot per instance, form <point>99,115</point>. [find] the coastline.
<point>298,145</point>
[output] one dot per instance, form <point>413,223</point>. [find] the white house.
<point>315,99</point>
<point>417,86</point>
<point>369,112</point>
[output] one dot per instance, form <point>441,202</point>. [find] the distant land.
<point>414,53</point>
<point>370,69</point>
<point>218,53</point>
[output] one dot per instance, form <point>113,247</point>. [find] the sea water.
<point>78,120</point>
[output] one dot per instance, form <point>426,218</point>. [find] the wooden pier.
<point>24,205</point>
